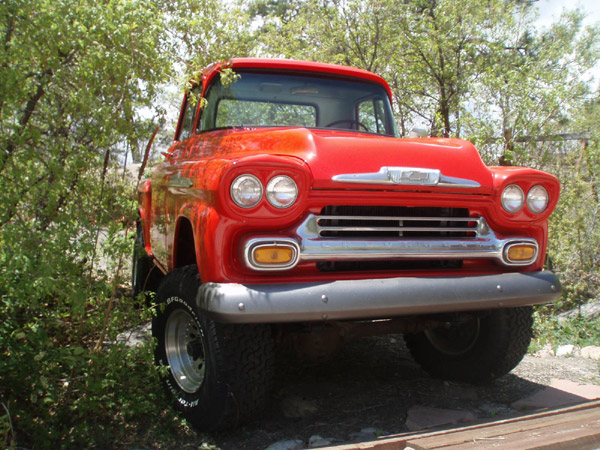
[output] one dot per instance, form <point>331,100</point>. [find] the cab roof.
<point>295,66</point>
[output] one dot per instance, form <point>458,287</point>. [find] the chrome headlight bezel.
<point>513,198</point>
<point>246,191</point>
<point>282,191</point>
<point>538,199</point>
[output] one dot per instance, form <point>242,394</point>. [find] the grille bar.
<point>339,225</point>
<point>428,229</point>
<point>394,218</point>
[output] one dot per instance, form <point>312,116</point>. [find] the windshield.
<point>281,100</point>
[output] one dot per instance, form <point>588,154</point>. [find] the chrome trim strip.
<point>396,218</point>
<point>400,221</point>
<point>407,176</point>
<point>462,183</point>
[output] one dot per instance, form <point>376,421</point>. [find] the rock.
<point>590,310</point>
<point>423,417</point>
<point>585,391</point>
<point>494,410</point>
<point>591,352</point>
<point>546,352</point>
<point>364,434</point>
<point>292,444</point>
<point>295,407</point>
<point>135,336</point>
<point>565,350</point>
<point>318,441</point>
<point>560,393</point>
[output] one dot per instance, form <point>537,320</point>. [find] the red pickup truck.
<point>289,211</point>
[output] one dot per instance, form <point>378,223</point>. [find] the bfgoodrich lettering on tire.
<point>218,374</point>
<point>476,350</point>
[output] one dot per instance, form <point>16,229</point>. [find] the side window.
<point>188,118</point>
<point>371,113</point>
<point>207,118</point>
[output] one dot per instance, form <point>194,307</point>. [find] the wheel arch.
<point>184,244</point>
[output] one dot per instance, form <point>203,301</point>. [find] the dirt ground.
<point>373,382</point>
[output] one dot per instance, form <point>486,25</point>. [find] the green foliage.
<point>205,32</point>
<point>575,226</point>
<point>578,330</point>
<point>64,383</point>
<point>73,78</point>
<point>533,84</point>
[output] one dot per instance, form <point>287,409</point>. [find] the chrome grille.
<point>394,222</point>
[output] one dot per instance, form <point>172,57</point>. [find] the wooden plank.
<point>570,435</point>
<point>571,419</point>
<point>576,427</point>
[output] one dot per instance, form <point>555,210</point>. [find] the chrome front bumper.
<point>373,298</point>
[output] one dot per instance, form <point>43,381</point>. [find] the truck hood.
<point>342,160</point>
<point>346,160</point>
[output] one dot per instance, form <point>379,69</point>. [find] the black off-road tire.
<point>145,276</point>
<point>227,369</point>
<point>477,351</point>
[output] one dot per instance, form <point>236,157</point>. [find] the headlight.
<point>246,191</point>
<point>282,191</point>
<point>513,198</point>
<point>537,199</point>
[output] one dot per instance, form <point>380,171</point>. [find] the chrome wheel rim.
<point>454,339</point>
<point>185,350</point>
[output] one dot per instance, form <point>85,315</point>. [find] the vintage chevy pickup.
<point>288,211</point>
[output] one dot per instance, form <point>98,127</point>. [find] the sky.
<point>550,10</point>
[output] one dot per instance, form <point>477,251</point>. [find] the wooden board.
<point>576,428</point>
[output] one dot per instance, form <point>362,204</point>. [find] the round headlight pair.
<point>247,191</point>
<point>513,199</point>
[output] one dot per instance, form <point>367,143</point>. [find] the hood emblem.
<point>408,176</point>
<point>412,176</point>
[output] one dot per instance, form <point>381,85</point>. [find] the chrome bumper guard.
<point>373,298</point>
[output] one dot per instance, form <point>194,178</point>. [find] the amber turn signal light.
<point>273,255</point>
<point>520,253</point>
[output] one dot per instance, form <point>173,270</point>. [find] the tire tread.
<point>506,334</point>
<point>242,358</point>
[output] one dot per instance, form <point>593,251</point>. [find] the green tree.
<point>439,44</point>
<point>575,226</point>
<point>339,31</point>
<point>429,50</point>
<point>73,79</point>
<point>531,86</point>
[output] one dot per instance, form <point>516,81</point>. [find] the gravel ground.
<point>372,383</point>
